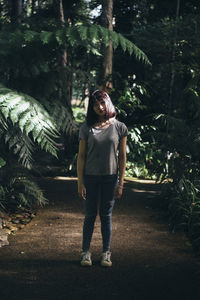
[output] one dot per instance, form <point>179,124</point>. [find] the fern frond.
<point>4,94</point>
<point>132,48</point>
<point>18,110</point>
<point>2,198</point>
<point>27,193</point>
<point>5,111</point>
<point>21,145</point>
<point>95,34</point>
<point>104,35</point>
<point>24,152</point>
<point>122,42</point>
<point>29,116</point>
<point>83,32</point>
<point>65,121</point>
<point>3,122</point>
<point>115,39</point>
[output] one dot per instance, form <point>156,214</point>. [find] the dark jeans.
<point>103,188</point>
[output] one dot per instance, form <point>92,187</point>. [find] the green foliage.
<point>2,198</point>
<point>137,170</point>
<point>129,98</point>
<point>184,209</point>
<point>2,162</point>
<point>140,151</point>
<point>20,193</point>
<point>25,120</point>
<point>79,35</point>
<point>79,114</point>
<point>30,54</point>
<point>62,117</point>
<point>166,146</point>
<point>37,44</point>
<point>140,143</point>
<point>181,162</point>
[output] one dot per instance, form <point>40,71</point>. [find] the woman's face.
<point>100,108</point>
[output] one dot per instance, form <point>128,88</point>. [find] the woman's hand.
<point>82,191</point>
<point>118,192</point>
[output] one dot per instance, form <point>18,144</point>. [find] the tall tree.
<point>65,84</point>
<point>173,59</point>
<point>15,10</point>
<point>58,4</point>
<point>107,64</point>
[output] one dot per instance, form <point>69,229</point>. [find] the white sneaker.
<point>105,259</point>
<point>86,259</point>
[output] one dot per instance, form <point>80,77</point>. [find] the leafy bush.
<point>141,144</point>
<point>79,114</point>
<point>20,193</point>
<point>184,209</point>
<point>23,123</point>
<point>140,152</point>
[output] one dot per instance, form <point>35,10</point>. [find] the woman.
<point>100,167</point>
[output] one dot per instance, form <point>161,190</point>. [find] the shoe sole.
<point>86,264</point>
<point>106,265</point>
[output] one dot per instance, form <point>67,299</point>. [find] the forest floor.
<point>149,261</point>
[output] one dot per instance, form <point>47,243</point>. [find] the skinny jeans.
<point>99,196</point>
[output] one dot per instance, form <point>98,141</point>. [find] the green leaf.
<point>46,36</point>
<point>115,39</point>
<point>30,35</point>
<point>59,36</point>
<point>24,118</point>
<point>83,32</point>
<point>122,42</point>
<point>5,111</point>
<point>2,162</point>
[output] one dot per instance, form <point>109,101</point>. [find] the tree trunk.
<point>173,60</point>
<point>15,10</point>
<point>171,85</point>
<point>15,13</point>
<point>107,64</point>
<point>66,83</point>
<point>58,4</point>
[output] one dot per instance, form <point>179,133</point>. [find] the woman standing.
<point>100,167</point>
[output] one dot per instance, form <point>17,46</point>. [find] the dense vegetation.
<point>54,51</point>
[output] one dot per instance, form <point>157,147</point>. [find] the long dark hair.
<point>98,95</point>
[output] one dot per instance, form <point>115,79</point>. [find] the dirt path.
<point>149,262</point>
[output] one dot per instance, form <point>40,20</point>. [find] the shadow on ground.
<point>149,262</point>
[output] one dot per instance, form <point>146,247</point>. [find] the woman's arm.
<point>122,165</point>
<point>80,168</point>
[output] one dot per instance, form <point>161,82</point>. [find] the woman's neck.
<point>102,122</point>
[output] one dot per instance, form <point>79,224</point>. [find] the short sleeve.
<point>83,132</point>
<point>123,131</point>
